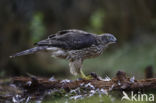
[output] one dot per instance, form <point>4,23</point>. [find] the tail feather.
<point>29,51</point>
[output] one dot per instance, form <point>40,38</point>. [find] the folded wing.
<point>69,39</point>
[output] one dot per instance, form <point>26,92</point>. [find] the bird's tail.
<point>29,51</point>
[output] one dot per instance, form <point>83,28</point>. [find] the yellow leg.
<point>83,76</point>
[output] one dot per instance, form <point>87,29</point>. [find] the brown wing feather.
<point>69,39</point>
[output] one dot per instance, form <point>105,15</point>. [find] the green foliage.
<point>37,27</point>
<point>96,21</point>
<point>2,73</point>
<point>93,99</point>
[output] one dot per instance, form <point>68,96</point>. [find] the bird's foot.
<point>83,76</point>
<point>89,77</point>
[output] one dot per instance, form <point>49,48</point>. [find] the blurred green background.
<point>24,22</point>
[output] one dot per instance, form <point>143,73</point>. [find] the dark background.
<point>24,22</point>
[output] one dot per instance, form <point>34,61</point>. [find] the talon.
<point>83,76</point>
<point>88,77</point>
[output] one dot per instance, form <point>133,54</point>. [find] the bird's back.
<point>70,40</point>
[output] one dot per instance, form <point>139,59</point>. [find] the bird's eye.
<point>108,37</point>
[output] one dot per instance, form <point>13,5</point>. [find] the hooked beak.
<point>114,40</point>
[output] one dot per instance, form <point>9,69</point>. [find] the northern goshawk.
<point>74,46</point>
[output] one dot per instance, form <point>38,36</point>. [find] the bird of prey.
<point>74,46</point>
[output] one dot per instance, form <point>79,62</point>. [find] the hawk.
<point>74,46</point>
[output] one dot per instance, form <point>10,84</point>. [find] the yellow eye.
<point>108,37</point>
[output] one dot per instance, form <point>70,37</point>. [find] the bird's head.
<point>108,38</point>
